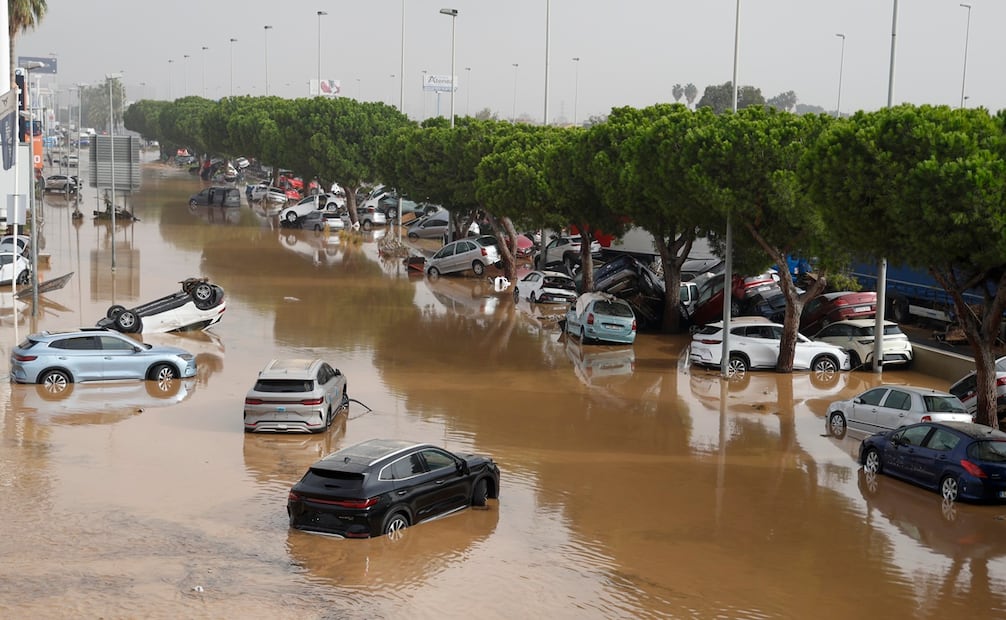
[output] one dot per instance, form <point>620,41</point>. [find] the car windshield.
<point>709,330</point>
<point>988,451</point>
<point>612,309</point>
<point>284,385</point>
<point>563,283</point>
<point>334,478</point>
<point>6,259</point>
<point>943,404</point>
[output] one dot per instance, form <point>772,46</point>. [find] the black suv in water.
<point>382,486</point>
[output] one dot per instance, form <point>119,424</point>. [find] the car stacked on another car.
<point>856,337</point>
<point>891,406</point>
<point>383,486</point>
<point>755,343</point>
<point>828,308</point>
<point>325,203</point>
<point>462,255</point>
<point>564,250</point>
<point>545,287</point>
<point>57,358</point>
<point>295,396</point>
<point>366,217</point>
<point>959,460</point>
<point>600,317</point>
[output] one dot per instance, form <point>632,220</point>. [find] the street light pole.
<point>576,87</point>
<point>513,114</point>
<point>185,77</point>
<point>111,136</point>
<point>728,259</point>
<point>453,13</point>
<point>841,67</point>
<point>401,69</point>
<point>267,29</point>
<point>204,70</point>
<point>967,34</point>
<point>468,91</point>
<point>170,62</point>
<point>548,5</point>
<point>320,13</point>
<point>233,41</point>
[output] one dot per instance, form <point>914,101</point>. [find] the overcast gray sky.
<point>631,52</point>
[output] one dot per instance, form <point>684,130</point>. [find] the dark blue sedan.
<point>958,459</point>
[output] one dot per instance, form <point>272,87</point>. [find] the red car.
<point>825,309</point>
<point>709,303</point>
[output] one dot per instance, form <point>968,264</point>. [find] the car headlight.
<point>188,357</point>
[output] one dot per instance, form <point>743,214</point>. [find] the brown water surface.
<point>633,485</point>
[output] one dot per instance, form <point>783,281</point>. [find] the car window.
<point>401,469</point>
<point>943,440</point>
<point>915,435</point>
<point>77,343</point>
<point>943,404</point>
<point>435,459</point>
<point>284,386</point>
<point>111,343</point>
<point>465,246</point>
<point>1001,364</point>
<point>812,305</point>
<point>965,386</point>
<point>897,399</point>
<point>874,396</point>
<point>447,250</point>
<point>611,308</point>
<point>988,451</point>
<point>890,330</point>
<point>561,283</point>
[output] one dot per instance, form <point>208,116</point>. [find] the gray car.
<point>295,396</point>
<point>55,359</point>
<point>434,226</point>
<point>462,255</point>
<point>887,407</point>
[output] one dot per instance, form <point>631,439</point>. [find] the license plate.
<point>863,309</point>
<point>280,409</point>
<point>1002,494</point>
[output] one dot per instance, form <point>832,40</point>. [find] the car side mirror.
<point>462,467</point>
<point>857,400</point>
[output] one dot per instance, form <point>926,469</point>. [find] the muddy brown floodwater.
<point>633,486</point>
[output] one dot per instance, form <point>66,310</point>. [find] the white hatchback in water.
<point>886,407</point>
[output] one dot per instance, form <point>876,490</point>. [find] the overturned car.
<point>627,278</point>
<point>197,306</point>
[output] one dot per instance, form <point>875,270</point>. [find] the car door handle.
<point>402,492</point>
<point>439,482</point>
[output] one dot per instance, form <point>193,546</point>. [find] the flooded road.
<point>632,485</point>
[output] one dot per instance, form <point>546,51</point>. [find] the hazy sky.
<point>631,52</point>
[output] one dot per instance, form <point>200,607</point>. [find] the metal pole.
<point>513,115</point>
<point>204,70</point>
<point>841,67</point>
<point>454,86</point>
<point>320,13</point>
<point>468,92</point>
<point>266,29</point>
<point>576,87</point>
<point>401,70</point>
<point>111,135</point>
<point>967,35</point>
<point>728,261</point>
<point>170,62</point>
<point>548,10</point>
<point>185,76</point>
<point>233,40</point>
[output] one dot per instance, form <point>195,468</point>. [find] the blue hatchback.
<point>958,459</point>
<point>600,317</point>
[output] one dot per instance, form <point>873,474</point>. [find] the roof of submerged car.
<point>360,457</point>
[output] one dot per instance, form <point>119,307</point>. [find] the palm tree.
<point>22,15</point>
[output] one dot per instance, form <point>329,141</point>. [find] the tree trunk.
<point>508,256</point>
<point>672,257</point>
<point>586,260</point>
<point>351,202</point>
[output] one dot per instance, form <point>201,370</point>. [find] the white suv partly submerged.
<point>295,396</point>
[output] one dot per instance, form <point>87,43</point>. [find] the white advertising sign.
<point>439,83</point>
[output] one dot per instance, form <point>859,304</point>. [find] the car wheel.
<point>23,277</point>
<point>114,311</point>
<point>836,425</point>
<point>737,364</point>
<point>345,401</point>
<point>291,217</point>
<point>163,372</point>
<point>583,336</point>
<point>481,493</point>
<point>192,203</point>
<point>824,365</point>
<point>366,225</point>
<point>516,295</point>
<point>949,488</point>
<point>395,524</point>
<point>54,381</point>
<point>533,299</point>
<point>871,461</point>
<point>127,322</point>
<point>478,268</point>
<point>413,235</point>
<point>433,272</point>
<point>203,295</point>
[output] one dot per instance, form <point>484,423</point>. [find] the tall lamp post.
<point>233,41</point>
<point>841,67</point>
<point>967,34</point>
<point>513,114</point>
<point>548,6</point>
<point>111,136</point>
<point>453,13</point>
<point>204,71</point>
<point>425,72</point>
<point>728,260</point>
<point>576,86</point>
<point>468,91</point>
<point>320,13</point>
<point>170,62</point>
<point>267,29</point>
<point>185,76</point>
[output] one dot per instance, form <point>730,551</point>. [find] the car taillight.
<point>293,497</point>
<point>840,302</point>
<point>633,324</point>
<point>253,401</point>
<point>590,319</point>
<point>973,469</point>
<point>999,380</point>
<point>484,253</point>
<point>926,418</point>
<point>25,358</point>
<point>356,504</point>
<point>709,341</point>
<point>312,401</point>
